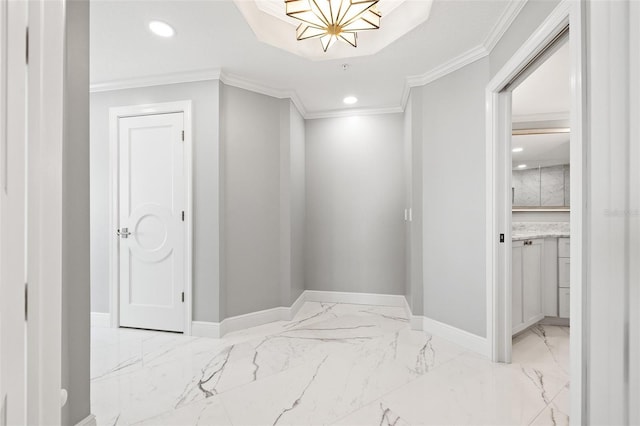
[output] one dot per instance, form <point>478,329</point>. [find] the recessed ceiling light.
<point>161,29</point>
<point>522,166</point>
<point>350,100</point>
<point>517,149</point>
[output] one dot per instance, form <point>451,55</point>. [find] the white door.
<point>13,19</point>
<point>152,197</point>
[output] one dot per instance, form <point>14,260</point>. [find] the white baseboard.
<point>355,298</point>
<point>527,324</point>
<point>253,319</point>
<point>455,335</point>
<point>205,329</point>
<point>100,319</point>
<point>460,337</point>
<point>240,322</point>
<point>90,420</point>
<point>417,322</point>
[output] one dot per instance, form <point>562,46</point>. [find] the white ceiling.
<point>271,25</point>
<point>214,35</point>
<point>547,91</point>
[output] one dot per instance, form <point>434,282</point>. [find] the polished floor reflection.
<point>333,364</point>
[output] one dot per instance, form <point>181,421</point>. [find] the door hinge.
<point>26,301</point>
<point>183,297</point>
<point>26,53</point>
<point>183,215</point>
<point>183,136</point>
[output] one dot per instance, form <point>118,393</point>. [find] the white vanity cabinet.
<point>564,279</point>
<point>527,279</point>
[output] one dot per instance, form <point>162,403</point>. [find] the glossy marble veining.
<point>530,230</point>
<point>332,364</point>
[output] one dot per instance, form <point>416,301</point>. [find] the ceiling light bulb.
<point>517,149</point>
<point>522,166</point>
<point>350,100</point>
<point>161,29</point>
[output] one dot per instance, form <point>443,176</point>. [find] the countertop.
<point>531,230</point>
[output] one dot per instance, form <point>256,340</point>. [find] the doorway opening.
<point>525,297</point>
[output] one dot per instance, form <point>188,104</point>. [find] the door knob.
<point>124,233</point>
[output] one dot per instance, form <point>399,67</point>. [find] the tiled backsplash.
<point>544,186</point>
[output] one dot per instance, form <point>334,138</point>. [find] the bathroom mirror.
<point>540,169</point>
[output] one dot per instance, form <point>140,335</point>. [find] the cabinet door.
<point>516,284</point>
<point>563,302</point>
<point>564,247</point>
<point>564,266</point>
<point>532,273</point>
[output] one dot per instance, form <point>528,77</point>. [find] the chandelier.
<point>332,20</point>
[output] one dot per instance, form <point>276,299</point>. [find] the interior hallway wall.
<point>454,197</point>
<point>453,161</point>
<point>355,200</point>
<point>205,107</point>
<point>263,168</point>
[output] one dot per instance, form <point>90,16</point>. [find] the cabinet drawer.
<point>564,247</point>
<point>564,275</point>
<point>563,302</point>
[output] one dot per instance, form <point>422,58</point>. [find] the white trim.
<point>353,112</point>
<point>100,319</point>
<point>156,80</point>
<point>527,324</point>
<point>240,322</point>
<point>115,114</point>
<point>90,420</point>
<point>283,313</point>
<point>448,67</point>
<point>460,337</point>
<point>498,171</point>
<point>504,22</point>
<point>355,298</point>
<point>465,58</point>
<point>205,329</point>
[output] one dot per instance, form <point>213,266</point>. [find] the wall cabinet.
<point>527,279</point>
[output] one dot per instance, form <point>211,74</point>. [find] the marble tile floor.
<point>332,364</point>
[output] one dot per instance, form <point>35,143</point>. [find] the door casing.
<point>115,114</point>
<point>498,195</point>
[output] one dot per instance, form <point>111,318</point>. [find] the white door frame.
<point>498,200</point>
<point>115,114</point>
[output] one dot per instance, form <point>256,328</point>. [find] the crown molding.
<point>448,67</point>
<point>156,80</point>
<point>478,52</point>
<point>254,86</point>
<point>504,22</point>
<point>352,112</point>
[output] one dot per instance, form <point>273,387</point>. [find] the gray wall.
<point>206,281</point>
<point>355,200</point>
<point>250,142</point>
<point>298,201</point>
<point>454,198</point>
<point>75,216</point>
<point>529,18</point>
<point>413,170</point>
<point>292,199</point>
<point>453,132</point>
